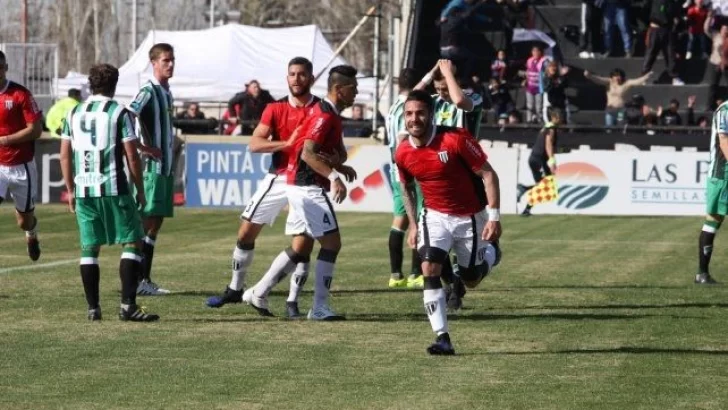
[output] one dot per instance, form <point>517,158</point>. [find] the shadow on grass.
<point>385,317</point>
<point>621,349</point>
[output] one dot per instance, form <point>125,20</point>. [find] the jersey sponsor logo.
<point>90,179</point>
<point>445,115</point>
<point>443,156</point>
<point>8,104</point>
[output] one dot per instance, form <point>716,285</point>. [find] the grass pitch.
<point>583,313</point>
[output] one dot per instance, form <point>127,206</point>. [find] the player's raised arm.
<point>457,95</point>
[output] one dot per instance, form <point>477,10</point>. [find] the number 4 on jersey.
<point>327,221</point>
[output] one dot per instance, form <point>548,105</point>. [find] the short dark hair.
<point>618,72</point>
<point>102,79</point>
<point>421,96</point>
<point>302,61</point>
<point>675,101</point>
<point>2,57</point>
<point>555,112</point>
<point>158,49</point>
<point>407,79</point>
<point>74,93</point>
<point>341,75</point>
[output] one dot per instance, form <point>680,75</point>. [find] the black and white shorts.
<point>20,183</point>
<point>268,201</point>
<point>459,233</point>
<point>310,212</point>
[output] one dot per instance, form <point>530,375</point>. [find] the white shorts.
<point>459,233</point>
<point>268,201</point>
<point>310,212</point>
<point>20,182</point>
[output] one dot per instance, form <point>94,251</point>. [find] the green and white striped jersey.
<point>98,129</point>
<point>395,126</point>
<point>448,114</point>
<point>718,167</point>
<point>154,110</point>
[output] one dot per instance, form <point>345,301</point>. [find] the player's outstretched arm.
<point>31,132</point>
<point>493,228</point>
<point>67,171</point>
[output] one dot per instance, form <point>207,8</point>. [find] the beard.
<point>302,90</point>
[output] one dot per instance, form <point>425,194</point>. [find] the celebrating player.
<point>20,126</point>
<point>273,135</point>
<point>97,135</point>
<point>396,131</point>
<point>153,108</point>
<point>316,167</point>
<point>716,204</point>
<point>456,178</point>
<point>542,160</point>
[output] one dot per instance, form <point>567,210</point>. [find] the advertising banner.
<point>625,183</point>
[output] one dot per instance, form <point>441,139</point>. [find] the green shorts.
<point>159,191</point>
<point>108,220</point>
<point>399,201</point>
<point>716,197</point>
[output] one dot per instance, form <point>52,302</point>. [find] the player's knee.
<point>25,221</point>
<point>331,242</point>
<point>135,245</point>
<point>472,276</point>
<point>430,269</point>
<point>296,257</point>
<point>430,254</point>
<point>401,223</point>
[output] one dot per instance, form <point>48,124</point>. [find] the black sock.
<point>416,263</point>
<point>396,240</point>
<point>128,273</point>
<point>447,273</point>
<point>90,276</point>
<point>705,250</point>
<point>148,252</point>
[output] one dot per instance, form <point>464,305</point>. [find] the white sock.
<point>324,276</point>
<point>435,308</point>
<point>281,266</point>
<point>242,258</point>
<point>298,279</point>
<point>32,232</point>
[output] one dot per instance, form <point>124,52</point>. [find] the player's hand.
<point>347,171</point>
<point>141,200</point>
<point>152,152</point>
<point>292,139</point>
<point>565,70</point>
<point>492,231</point>
<point>71,203</point>
<point>332,160</point>
<point>412,237</point>
<point>445,66</point>
<point>339,190</point>
<point>691,101</point>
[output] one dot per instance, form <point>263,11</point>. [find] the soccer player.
<point>154,108</point>
<point>311,176</point>
<point>456,178</point>
<point>396,132</point>
<point>273,135</point>
<point>542,160</point>
<point>98,135</point>
<point>20,126</point>
<point>716,204</point>
<point>454,106</point>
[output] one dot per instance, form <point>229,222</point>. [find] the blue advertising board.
<point>222,175</point>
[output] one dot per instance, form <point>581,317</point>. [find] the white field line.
<point>41,265</point>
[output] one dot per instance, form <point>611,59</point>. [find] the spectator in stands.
<point>615,13</point>
<point>519,13</point>
<point>591,28</point>
<point>702,121</point>
<point>499,67</point>
<point>718,60</point>
<point>515,117</point>
<point>534,96</point>
<point>356,125</point>
<point>696,17</point>
<point>500,99</point>
<point>554,85</point>
<point>251,104</point>
<point>57,113</point>
<point>454,38</point>
<point>633,111</point>
<point>193,113</point>
<point>617,88</point>
<point>661,36</point>
<point>670,116</point>
<point>228,128</point>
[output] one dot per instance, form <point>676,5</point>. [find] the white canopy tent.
<point>214,64</point>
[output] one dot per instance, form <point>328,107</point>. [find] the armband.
<point>333,176</point>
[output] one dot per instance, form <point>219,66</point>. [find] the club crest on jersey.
<point>443,156</point>
<point>8,104</point>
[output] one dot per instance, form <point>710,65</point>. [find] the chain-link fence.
<point>34,66</point>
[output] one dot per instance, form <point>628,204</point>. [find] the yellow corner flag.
<point>543,192</point>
